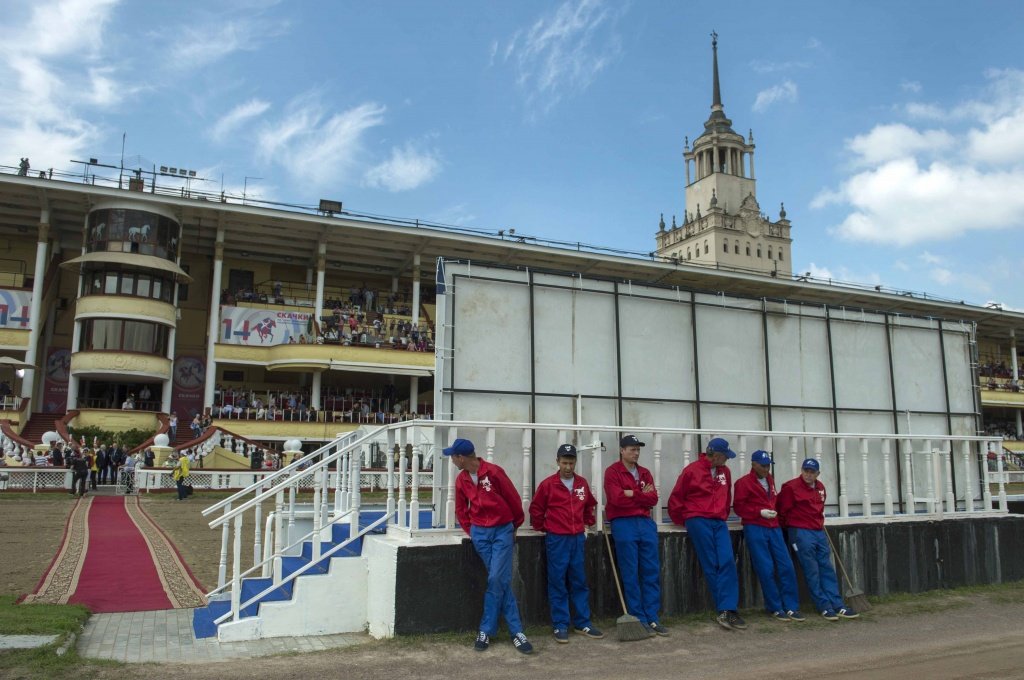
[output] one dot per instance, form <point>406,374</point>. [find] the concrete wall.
<point>440,588</point>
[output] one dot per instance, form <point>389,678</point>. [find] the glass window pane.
<point>142,289</point>
<point>127,283</point>
<point>158,289</point>
<point>111,285</point>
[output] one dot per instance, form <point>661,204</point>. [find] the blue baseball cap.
<point>761,457</point>
<point>630,440</point>
<point>810,464</point>
<point>719,445</point>
<point>460,447</point>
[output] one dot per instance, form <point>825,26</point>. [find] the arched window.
<point>736,247</point>
<point>687,253</point>
<point>697,250</point>
<point>759,251</point>
<point>705,247</point>
<point>769,252</point>
<point>725,246</point>
<point>780,254</point>
<point>748,249</point>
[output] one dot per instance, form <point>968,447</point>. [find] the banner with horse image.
<point>14,306</point>
<point>187,388</point>
<point>262,327</point>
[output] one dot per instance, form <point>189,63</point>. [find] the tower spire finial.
<point>716,102</point>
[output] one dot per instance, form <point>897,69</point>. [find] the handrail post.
<point>844,502</point>
<point>794,451</point>
<point>986,487</point>
<point>449,505</point>
<point>930,453</point>
<point>414,502</point>
<point>325,496</point>
<point>317,516</point>
<point>908,478</point>
<point>657,477</point>
<point>401,509</point>
<point>390,467</point>
<point>527,461</point>
<point>355,499</point>
<point>886,454</point>
<point>257,546</point>
<point>278,534</point>
<point>344,463</point>
<point>947,467</point>
<point>236,573</point>
<point>1003,507</point>
<point>687,448</point>
<point>292,492</point>
<point>597,479</point>
<point>225,534</point>
<point>865,482</point>
<point>819,448</point>
<point>965,453</point>
<point>491,437</point>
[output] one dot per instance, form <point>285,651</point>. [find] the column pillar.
<point>214,329</point>
<point>415,290</point>
<point>42,246</point>
<point>752,175</point>
<point>1016,380</point>
<point>167,394</point>
<point>314,390</point>
<point>414,394</point>
<point>321,271</point>
<point>687,164</point>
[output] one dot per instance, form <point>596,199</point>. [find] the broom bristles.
<point>629,628</point>
<point>859,601</point>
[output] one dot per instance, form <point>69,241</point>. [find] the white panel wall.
<point>574,341</point>
<point>958,372</point>
<point>861,364</point>
<point>913,348</point>
<point>798,351</point>
<point>492,335</point>
<point>656,349</point>
<point>730,351</point>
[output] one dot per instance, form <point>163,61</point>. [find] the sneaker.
<point>847,613</point>
<point>650,631</point>
<point>590,632</point>
<point>796,616</point>
<point>522,644</point>
<point>482,642</point>
<point>723,620</point>
<point>658,629</point>
<point>562,636</point>
<point>780,616</point>
<point>830,615</point>
<point>736,622</point>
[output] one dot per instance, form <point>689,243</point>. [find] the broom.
<point>854,597</point>
<point>627,627</point>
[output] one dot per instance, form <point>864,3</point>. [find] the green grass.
<point>40,619</point>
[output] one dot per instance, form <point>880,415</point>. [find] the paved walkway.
<point>25,641</point>
<point>166,636</point>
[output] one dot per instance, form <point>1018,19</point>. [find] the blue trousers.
<point>773,566</point>
<point>714,551</point>
<point>815,557</point>
<point>565,568</point>
<point>494,545</point>
<point>636,553</point>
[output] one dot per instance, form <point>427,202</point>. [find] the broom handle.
<point>618,586</point>
<point>842,568</point>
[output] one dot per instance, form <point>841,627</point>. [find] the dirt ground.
<point>30,533</point>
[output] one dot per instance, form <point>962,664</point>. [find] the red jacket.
<point>801,506</point>
<point>491,502</point>
<point>618,479</point>
<point>750,498</point>
<point>700,493</point>
<point>555,510</point>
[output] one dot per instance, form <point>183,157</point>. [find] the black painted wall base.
<point>440,588</point>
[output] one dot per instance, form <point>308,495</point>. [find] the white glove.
<point>768,514</point>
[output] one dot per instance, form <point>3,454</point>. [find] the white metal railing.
<point>871,477</point>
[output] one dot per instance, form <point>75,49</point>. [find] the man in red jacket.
<point>754,500</point>
<point>563,507</point>
<point>490,510</point>
<point>801,507</point>
<point>629,496</point>
<point>701,500</point>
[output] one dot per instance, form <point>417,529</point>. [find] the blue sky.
<point>893,131</point>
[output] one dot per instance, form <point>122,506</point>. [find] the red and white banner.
<point>262,327</point>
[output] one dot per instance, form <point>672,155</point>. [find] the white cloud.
<point>910,185</point>
<point>819,272</point>
<point>813,44</point>
<point>910,86</point>
<point>407,169</point>
<point>237,117</point>
<point>889,142</point>
<point>564,51</point>
<point>928,258</point>
<point>785,92</point>
<point>196,45</point>
<point>315,146</point>
<point>762,66</point>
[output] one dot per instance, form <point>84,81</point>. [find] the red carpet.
<point>116,559</point>
<point>118,574</point>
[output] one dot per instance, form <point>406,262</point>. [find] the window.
<point>136,284</point>
<point>780,255</point>
<point>121,230</point>
<point>124,336</point>
<point>748,250</point>
<point>698,251</point>
<point>725,246</point>
<point>759,251</point>
<point>705,247</point>
<point>769,252</point>
<point>736,248</point>
<point>687,253</point>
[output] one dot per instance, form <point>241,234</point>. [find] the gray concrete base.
<point>166,637</point>
<point>26,641</point>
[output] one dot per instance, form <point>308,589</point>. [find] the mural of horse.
<point>139,233</point>
<point>265,329</point>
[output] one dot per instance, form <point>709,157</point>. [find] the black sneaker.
<point>482,642</point>
<point>723,620</point>
<point>796,615</point>
<point>562,636</point>
<point>736,622</point>
<point>590,632</point>
<point>522,644</point>
<point>847,613</point>
<point>658,628</point>
<point>781,616</point>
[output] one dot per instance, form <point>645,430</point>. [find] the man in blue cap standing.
<point>701,500</point>
<point>801,507</point>
<point>754,499</point>
<point>490,510</point>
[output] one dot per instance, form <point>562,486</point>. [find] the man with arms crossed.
<point>630,494</point>
<point>801,507</point>
<point>490,510</point>
<point>701,500</point>
<point>563,507</point>
<point>754,499</point>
